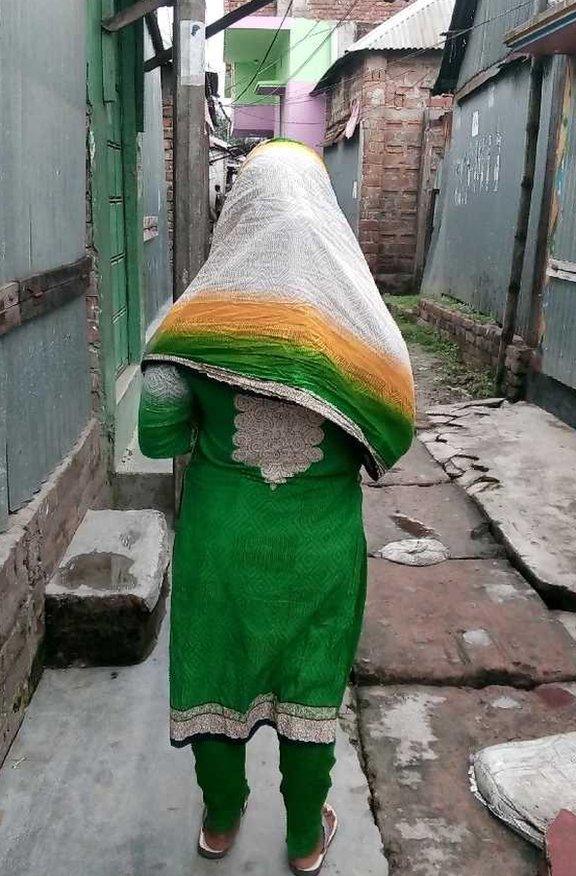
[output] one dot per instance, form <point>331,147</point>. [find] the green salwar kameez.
<point>269,564</point>
<point>282,371</point>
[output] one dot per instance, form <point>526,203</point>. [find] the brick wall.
<point>230,5</point>
<point>479,343</point>
<point>370,12</point>
<point>394,92</point>
<point>29,553</point>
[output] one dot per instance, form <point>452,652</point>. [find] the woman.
<point>282,371</point>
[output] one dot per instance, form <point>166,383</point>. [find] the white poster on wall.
<point>192,52</point>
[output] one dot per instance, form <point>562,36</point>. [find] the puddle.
<point>99,571</point>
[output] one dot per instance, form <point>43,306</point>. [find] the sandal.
<point>205,851</point>
<point>329,834</point>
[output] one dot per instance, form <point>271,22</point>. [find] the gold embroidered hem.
<point>294,721</point>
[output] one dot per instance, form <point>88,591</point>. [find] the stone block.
<point>416,468</point>
<point>466,622</point>
<point>418,742</point>
<point>105,601</point>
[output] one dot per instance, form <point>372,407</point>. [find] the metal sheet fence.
<point>471,251</point>
<point>559,311</point>
<point>44,385</point>
<point>47,395</point>
<point>494,18</point>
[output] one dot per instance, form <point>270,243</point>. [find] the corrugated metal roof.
<point>420,26</point>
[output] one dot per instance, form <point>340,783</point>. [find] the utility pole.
<point>190,144</point>
<point>190,180</point>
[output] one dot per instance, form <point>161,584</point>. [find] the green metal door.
<point>116,190</point>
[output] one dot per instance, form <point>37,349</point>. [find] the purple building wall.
<point>298,116</point>
<point>258,120</point>
<point>303,116</point>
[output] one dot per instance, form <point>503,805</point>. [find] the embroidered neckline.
<point>279,438</point>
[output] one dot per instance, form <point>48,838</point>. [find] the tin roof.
<point>421,25</point>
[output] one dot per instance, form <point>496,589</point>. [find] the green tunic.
<point>269,566</point>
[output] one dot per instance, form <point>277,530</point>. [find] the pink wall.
<point>298,116</point>
<point>258,120</point>
<point>303,117</point>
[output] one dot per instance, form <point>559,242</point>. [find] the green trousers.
<point>305,768</point>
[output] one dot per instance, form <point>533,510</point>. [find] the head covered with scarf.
<point>286,307</point>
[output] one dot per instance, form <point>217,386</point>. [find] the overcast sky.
<point>214,46</point>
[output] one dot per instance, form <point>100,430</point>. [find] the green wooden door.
<point>111,72</point>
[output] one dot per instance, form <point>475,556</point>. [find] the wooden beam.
<point>23,300</point>
<point>163,57</point>
<point>132,13</point>
<point>533,118</point>
<point>234,16</point>
<point>154,31</point>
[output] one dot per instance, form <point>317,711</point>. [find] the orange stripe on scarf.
<point>300,324</point>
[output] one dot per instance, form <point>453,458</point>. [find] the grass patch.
<point>403,302</point>
<point>466,309</point>
<point>479,383</point>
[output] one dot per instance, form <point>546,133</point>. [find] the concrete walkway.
<point>454,657</point>
<point>91,787</point>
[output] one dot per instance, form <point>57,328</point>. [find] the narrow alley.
<point>287,437</point>
<point>454,656</point>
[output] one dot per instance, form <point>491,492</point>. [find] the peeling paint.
<point>408,722</point>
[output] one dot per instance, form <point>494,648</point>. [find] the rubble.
<point>521,471</point>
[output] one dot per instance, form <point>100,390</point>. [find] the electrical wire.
<point>268,50</point>
<point>449,36</point>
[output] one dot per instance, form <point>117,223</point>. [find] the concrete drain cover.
<point>414,552</point>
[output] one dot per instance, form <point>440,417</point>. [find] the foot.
<point>217,845</point>
<point>329,820</point>
<point>221,842</point>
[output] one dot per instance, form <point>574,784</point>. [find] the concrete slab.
<point>568,621</point>
<point>523,477</point>
<point>414,469</point>
<point>103,604</point>
<point>92,787</point>
<point>140,482</point>
<point>418,741</point>
<point>466,622</point>
<point>440,511</point>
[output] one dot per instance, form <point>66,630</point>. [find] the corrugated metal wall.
<point>47,395</point>
<point>42,222</point>
<point>157,280</point>
<point>559,306</point>
<point>471,250</point>
<point>494,18</point>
